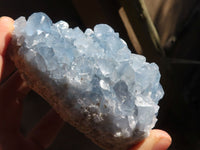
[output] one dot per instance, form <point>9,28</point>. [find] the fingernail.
<point>162,144</point>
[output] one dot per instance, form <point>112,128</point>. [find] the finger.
<point>12,89</point>
<point>8,68</point>
<point>47,129</point>
<point>157,140</point>
<point>11,93</point>
<point>6,28</point>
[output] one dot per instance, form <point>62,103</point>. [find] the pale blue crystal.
<point>90,78</point>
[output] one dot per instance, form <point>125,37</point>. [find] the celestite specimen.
<point>90,78</point>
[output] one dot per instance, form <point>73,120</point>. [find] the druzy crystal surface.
<point>90,78</point>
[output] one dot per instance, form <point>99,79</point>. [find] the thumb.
<point>157,140</point>
<point>6,28</point>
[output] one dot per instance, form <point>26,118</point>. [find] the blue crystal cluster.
<point>90,78</point>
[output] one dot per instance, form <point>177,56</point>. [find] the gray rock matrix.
<point>90,78</point>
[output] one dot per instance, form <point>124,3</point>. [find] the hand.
<point>12,92</point>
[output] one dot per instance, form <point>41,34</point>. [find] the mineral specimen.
<point>90,78</point>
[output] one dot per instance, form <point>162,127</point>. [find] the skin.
<point>12,91</point>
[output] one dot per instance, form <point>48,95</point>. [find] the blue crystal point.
<point>38,22</point>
